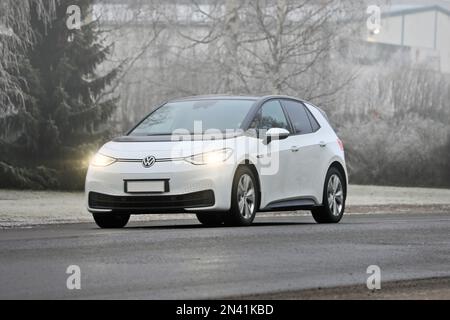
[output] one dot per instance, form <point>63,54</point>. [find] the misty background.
<point>65,92</point>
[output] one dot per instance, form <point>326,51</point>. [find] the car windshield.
<point>195,117</point>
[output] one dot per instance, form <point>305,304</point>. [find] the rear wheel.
<point>211,219</point>
<point>334,196</point>
<point>244,198</point>
<point>111,220</point>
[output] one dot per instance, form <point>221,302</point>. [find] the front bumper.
<point>153,203</point>
<point>191,187</point>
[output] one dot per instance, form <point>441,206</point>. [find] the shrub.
<point>412,151</point>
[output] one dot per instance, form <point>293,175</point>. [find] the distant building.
<point>422,31</point>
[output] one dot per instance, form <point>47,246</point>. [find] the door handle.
<point>322,144</point>
<point>295,148</point>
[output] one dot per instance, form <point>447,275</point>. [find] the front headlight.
<point>211,157</point>
<point>101,160</point>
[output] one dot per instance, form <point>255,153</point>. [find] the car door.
<point>308,158</point>
<point>274,157</point>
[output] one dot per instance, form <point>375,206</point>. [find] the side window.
<point>270,115</point>
<point>298,116</point>
<point>315,125</point>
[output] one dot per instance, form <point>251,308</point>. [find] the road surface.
<point>180,259</point>
<point>19,208</point>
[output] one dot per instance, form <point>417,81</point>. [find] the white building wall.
<point>426,33</point>
<point>419,29</point>
<point>443,40</point>
<point>390,32</point>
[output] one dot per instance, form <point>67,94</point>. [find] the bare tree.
<point>277,46</point>
<point>177,48</point>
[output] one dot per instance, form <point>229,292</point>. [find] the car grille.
<point>151,203</point>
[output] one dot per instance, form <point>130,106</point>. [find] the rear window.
<point>313,120</point>
<point>314,124</point>
<point>298,116</point>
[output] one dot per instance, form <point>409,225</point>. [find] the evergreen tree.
<point>63,103</point>
<point>71,109</point>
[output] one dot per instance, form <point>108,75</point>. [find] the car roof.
<point>234,97</point>
<point>215,96</point>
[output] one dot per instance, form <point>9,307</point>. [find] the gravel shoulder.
<point>420,289</point>
<point>29,208</point>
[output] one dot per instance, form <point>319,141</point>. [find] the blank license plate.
<point>145,186</point>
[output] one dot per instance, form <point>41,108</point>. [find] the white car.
<point>223,158</point>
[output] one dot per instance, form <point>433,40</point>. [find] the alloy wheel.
<point>335,195</point>
<point>246,196</point>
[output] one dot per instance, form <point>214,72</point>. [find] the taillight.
<point>341,145</point>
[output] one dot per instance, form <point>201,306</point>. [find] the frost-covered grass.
<point>28,208</point>
<point>379,195</point>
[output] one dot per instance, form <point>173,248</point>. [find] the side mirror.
<point>275,134</point>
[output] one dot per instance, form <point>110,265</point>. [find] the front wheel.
<point>111,220</point>
<point>244,198</point>
<point>333,204</point>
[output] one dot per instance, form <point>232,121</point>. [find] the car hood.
<point>138,149</point>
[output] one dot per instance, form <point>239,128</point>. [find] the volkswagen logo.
<point>147,162</point>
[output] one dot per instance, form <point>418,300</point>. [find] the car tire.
<point>111,220</point>
<point>334,195</point>
<point>211,219</point>
<point>244,198</point>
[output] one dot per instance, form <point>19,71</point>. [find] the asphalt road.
<point>181,259</point>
